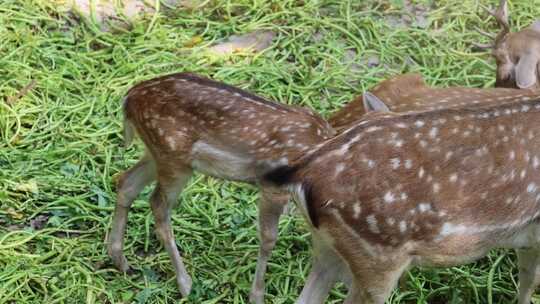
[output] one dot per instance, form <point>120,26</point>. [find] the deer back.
<point>183,118</point>
<point>390,91</point>
<point>409,92</point>
<point>464,175</point>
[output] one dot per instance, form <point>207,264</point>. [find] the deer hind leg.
<point>271,206</point>
<point>130,184</point>
<point>529,273</point>
<point>327,269</point>
<point>163,200</point>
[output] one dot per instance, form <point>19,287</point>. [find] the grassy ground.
<point>61,146</point>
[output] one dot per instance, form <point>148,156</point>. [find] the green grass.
<point>61,143</point>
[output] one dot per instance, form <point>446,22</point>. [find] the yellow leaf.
<point>193,41</point>
<point>28,186</point>
<point>14,214</point>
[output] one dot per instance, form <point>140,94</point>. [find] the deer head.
<point>517,54</point>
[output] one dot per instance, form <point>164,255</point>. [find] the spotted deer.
<point>428,188</point>
<point>517,54</point>
<point>188,123</point>
<point>409,92</point>
<point>191,123</point>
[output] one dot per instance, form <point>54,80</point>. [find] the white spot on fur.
<point>421,172</point>
<point>373,129</point>
<point>532,188</point>
<point>389,197</point>
<point>339,168</point>
<point>171,141</point>
<point>395,163</point>
<point>402,226</point>
<point>408,164</point>
<point>372,224</point>
<point>433,132</point>
<point>356,210</point>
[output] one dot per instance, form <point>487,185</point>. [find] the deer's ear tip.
<point>524,86</point>
<point>535,26</point>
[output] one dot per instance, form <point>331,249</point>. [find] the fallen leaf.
<point>193,41</point>
<point>29,186</point>
<point>14,214</point>
<point>39,222</point>
<point>252,42</point>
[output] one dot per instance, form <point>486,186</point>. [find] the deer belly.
<point>465,248</point>
<point>221,162</point>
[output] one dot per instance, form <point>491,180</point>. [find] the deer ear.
<point>526,71</point>
<point>372,103</point>
<point>535,26</point>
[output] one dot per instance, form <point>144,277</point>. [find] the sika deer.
<point>192,123</point>
<point>409,92</point>
<point>433,188</point>
<point>183,127</point>
<point>517,54</point>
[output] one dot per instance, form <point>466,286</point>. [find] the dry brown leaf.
<point>251,42</point>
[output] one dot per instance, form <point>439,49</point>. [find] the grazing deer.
<point>409,92</point>
<point>517,54</point>
<point>188,123</point>
<point>432,188</point>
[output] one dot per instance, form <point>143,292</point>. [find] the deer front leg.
<point>529,273</point>
<point>271,207</point>
<point>130,184</point>
<point>162,201</point>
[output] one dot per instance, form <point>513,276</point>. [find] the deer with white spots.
<point>409,92</point>
<point>189,123</point>
<point>517,54</point>
<point>461,182</point>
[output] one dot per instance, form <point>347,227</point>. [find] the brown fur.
<point>517,54</point>
<point>409,92</point>
<point>510,50</point>
<point>188,122</point>
<point>432,188</point>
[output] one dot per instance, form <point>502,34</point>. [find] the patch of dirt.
<point>39,222</point>
<point>107,15</point>
<point>413,15</point>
